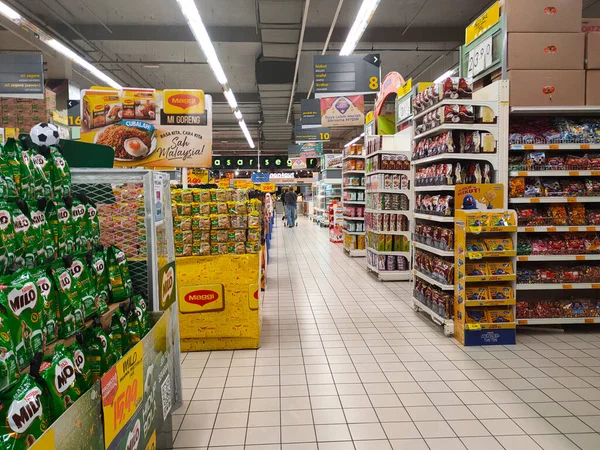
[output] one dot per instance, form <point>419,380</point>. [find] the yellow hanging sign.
<point>405,88</point>
<point>483,23</point>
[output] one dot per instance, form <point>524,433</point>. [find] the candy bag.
<point>9,369</point>
<point>118,330</point>
<point>118,273</point>
<point>49,295</point>
<point>22,415</point>
<point>83,370</point>
<point>84,284</point>
<point>58,373</point>
<point>7,238</point>
<point>71,316</point>
<point>141,310</point>
<point>23,305</point>
<point>61,174</point>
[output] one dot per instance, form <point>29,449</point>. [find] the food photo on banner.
<point>149,128</point>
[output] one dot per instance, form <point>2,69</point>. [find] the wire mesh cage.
<point>132,215</point>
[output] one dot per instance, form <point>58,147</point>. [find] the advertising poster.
<point>479,197</point>
<point>306,150</point>
<point>148,128</point>
<point>332,161</point>
<point>298,163</point>
<point>343,111</point>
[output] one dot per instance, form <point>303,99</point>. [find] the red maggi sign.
<point>202,297</point>
<point>184,101</point>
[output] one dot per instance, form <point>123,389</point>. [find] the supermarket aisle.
<point>345,363</point>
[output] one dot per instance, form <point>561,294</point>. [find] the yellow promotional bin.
<point>219,298</point>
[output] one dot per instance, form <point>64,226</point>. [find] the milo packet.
<point>12,152</point>
<point>23,305</point>
<point>134,329</point>
<point>80,225</point>
<point>83,283</point>
<point>82,366</point>
<point>61,174</point>
<point>59,376</point>
<point>118,273</point>
<point>47,245</point>
<point>7,238</point>
<point>42,162</point>
<point>22,414</point>
<point>141,310</point>
<point>92,231</point>
<point>49,295</point>
<point>97,265</point>
<point>71,316</point>
<point>27,238</point>
<point>9,370</point>
<point>100,350</point>
<point>58,215</point>
<point>8,188</point>
<point>118,330</point>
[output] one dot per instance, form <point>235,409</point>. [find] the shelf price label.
<point>480,58</point>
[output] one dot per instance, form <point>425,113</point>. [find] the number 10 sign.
<point>480,58</point>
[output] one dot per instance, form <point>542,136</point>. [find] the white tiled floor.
<point>345,363</point>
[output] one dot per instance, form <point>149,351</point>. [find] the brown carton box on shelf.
<point>541,51</point>
<point>543,16</point>
<point>547,87</point>
<point>592,51</point>
<point>592,87</point>
<point>589,25</point>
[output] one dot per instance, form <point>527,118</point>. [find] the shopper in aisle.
<point>290,200</point>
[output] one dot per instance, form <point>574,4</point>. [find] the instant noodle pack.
<point>215,222</point>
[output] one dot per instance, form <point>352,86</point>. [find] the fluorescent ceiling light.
<point>192,15</point>
<point>366,11</point>
<point>7,11</point>
<point>356,139</point>
<point>83,63</point>
<point>443,76</point>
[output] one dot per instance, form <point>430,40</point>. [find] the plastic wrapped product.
<point>58,215</point>
<point>59,375</point>
<point>83,371</point>
<point>49,295</point>
<point>118,273</point>
<point>27,238</point>
<point>9,369</point>
<point>61,174</point>
<point>97,264</point>
<point>71,316</point>
<point>118,330</point>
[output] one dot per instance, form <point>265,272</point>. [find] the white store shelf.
<point>354,202</point>
<point>489,127</point>
<point>354,233</point>
<point>354,218</point>
<point>434,250</point>
<point>448,324</point>
<point>558,321</point>
<point>386,171</point>
<point>555,229</point>
<point>444,187</point>
<point>389,191</point>
<point>359,188</point>
<point>443,287</point>
<point>549,110</point>
<point>390,275</point>
<point>388,152</point>
<point>434,218</point>
<point>355,253</point>
<point>353,172</point>
<point>353,157</point>
<point>554,200</point>
<point>556,286</point>
<point>525,258</point>
<point>570,147</point>
<point>391,211</point>
<point>490,157</point>
<point>554,173</point>
<point>393,233</point>
<point>390,253</point>
<point>460,102</point>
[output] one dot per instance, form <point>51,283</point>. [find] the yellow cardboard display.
<point>219,319</point>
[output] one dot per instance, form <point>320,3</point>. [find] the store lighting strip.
<point>192,15</point>
<point>14,16</point>
<point>356,139</point>
<point>365,13</point>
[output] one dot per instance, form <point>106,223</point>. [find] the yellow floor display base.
<point>219,299</point>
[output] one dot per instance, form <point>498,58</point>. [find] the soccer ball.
<point>44,134</point>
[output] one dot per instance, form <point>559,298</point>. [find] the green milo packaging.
<point>8,188</point>
<point>61,174</point>
<point>49,294</point>
<point>47,246</point>
<point>92,222</point>
<point>97,263</point>
<point>118,273</point>
<point>23,306</point>
<point>100,350</point>
<point>9,369</point>
<point>80,226</point>
<point>82,366</point>
<point>7,238</point>
<point>118,330</point>
<point>42,184</point>
<point>20,165</point>
<point>134,329</point>
<point>71,316</point>
<point>83,282</point>
<point>27,238</point>
<point>141,310</point>
<point>59,375</point>
<point>22,414</point>
<point>58,215</point>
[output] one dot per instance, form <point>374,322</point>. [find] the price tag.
<point>475,255</point>
<point>473,326</point>
<point>480,58</point>
<point>403,109</point>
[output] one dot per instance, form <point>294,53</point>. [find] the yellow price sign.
<point>369,117</point>
<point>475,229</point>
<point>240,184</point>
<point>268,187</point>
<point>475,255</point>
<point>483,23</point>
<point>224,183</point>
<point>122,392</point>
<point>405,88</point>
<point>472,326</point>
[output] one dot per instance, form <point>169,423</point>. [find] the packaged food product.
<point>71,316</point>
<point>141,310</point>
<point>27,238</point>
<point>476,245</point>
<point>499,315</point>
<point>476,269</point>
<point>85,284</point>
<point>504,268</point>
<point>61,174</point>
<point>83,371</point>
<point>501,292</point>
<point>22,414</point>
<point>9,369</point>
<point>120,286</point>
<point>58,215</point>
<point>134,329</point>
<point>118,330</point>
<point>97,264</point>
<point>477,293</point>
<point>49,295</point>
<point>47,246</point>
<point>499,245</point>
<point>475,316</point>
<point>58,373</point>
<point>41,174</point>
<point>100,350</point>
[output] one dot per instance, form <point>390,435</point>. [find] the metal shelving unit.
<point>353,195</point>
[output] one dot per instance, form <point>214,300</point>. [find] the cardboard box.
<point>590,25</point>
<point>547,87</point>
<point>592,51</point>
<point>592,87</point>
<point>541,51</point>
<point>543,16</point>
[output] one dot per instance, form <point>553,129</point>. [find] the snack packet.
<point>141,310</point>
<point>475,316</point>
<point>84,284</point>
<point>49,295</point>
<point>7,238</point>
<point>61,174</point>
<point>499,245</point>
<point>92,222</point>
<point>118,330</point>
<point>134,329</point>
<point>58,373</point>
<point>22,414</point>
<point>100,350</point>
<point>58,215</point>
<point>71,315</point>
<point>47,245</point>
<point>499,316</point>
<point>501,292</point>
<point>80,226</point>
<point>97,264</point>
<point>82,367</point>
<point>500,268</point>
<point>477,293</point>
<point>9,369</point>
<point>42,174</point>
<point>8,188</point>
<point>27,238</point>
<point>118,272</point>
<point>23,305</point>
<point>476,269</point>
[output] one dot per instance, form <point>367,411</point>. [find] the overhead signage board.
<point>251,162</point>
<point>320,134</point>
<point>21,74</point>
<point>311,112</point>
<point>260,177</point>
<point>346,111</point>
<point>74,112</point>
<point>483,23</point>
<point>306,150</point>
<point>346,75</point>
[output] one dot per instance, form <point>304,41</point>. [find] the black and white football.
<point>44,134</point>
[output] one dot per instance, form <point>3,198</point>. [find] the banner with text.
<point>148,128</point>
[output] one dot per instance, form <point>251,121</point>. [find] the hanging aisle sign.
<point>321,134</point>
<point>148,128</point>
<point>483,23</point>
<point>306,150</point>
<point>346,75</point>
